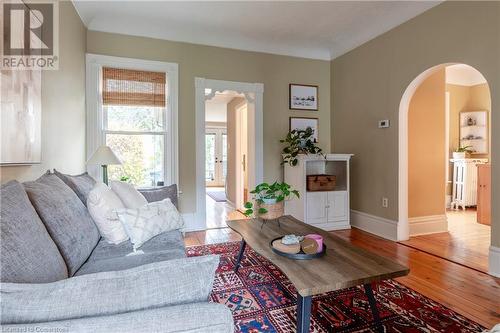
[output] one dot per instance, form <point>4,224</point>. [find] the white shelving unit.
<point>328,210</point>
<point>474,131</point>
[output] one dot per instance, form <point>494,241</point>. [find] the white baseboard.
<point>331,226</point>
<point>376,225</point>
<point>423,225</point>
<point>494,261</point>
<point>230,203</point>
<point>448,201</point>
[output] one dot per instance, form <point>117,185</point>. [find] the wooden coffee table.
<point>344,265</point>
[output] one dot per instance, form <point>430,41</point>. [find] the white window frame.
<point>96,133</point>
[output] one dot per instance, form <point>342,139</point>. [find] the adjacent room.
<point>225,155</point>
<point>249,166</point>
<point>449,115</point>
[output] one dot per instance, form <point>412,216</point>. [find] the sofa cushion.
<point>161,193</point>
<point>110,257</point>
<point>81,184</point>
<point>133,260</point>
<point>172,282</point>
<point>66,219</point>
<point>102,203</point>
<point>127,193</point>
<point>28,254</point>
<point>202,317</point>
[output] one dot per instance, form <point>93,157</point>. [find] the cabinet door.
<point>484,194</point>
<point>337,206</point>
<point>316,207</point>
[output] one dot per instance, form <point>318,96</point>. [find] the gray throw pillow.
<point>164,283</point>
<point>66,218</point>
<point>81,184</point>
<point>28,253</point>
<point>161,193</point>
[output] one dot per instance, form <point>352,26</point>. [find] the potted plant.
<point>269,199</point>
<point>299,142</point>
<point>462,152</point>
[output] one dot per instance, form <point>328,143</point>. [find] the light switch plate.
<point>383,123</point>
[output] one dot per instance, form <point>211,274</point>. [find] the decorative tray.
<point>297,256</point>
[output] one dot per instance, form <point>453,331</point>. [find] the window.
<point>136,117</point>
<point>133,104</point>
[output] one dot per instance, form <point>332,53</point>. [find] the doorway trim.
<point>253,93</point>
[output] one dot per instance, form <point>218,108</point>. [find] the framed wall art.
<point>302,123</point>
<point>20,123</point>
<point>303,97</point>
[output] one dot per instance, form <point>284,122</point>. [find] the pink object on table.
<point>318,239</point>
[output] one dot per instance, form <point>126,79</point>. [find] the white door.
<point>215,156</point>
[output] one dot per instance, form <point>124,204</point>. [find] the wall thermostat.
<point>383,123</point>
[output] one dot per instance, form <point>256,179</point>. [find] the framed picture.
<point>302,123</point>
<point>303,97</point>
<point>20,121</point>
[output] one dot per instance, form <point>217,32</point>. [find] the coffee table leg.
<point>373,307</point>
<point>243,244</point>
<point>303,313</point>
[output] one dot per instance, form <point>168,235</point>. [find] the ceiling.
<point>463,75</point>
<point>309,29</point>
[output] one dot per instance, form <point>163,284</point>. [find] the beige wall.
<point>368,83</point>
<point>232,162</point>
<point>63,105</point>
<point>274,71</point>
<point>467,98</point>
<point>459,97</point>
<point>480,99</point>
<point>426,148</point>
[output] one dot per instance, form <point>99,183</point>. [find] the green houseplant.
<point>299,142</point>
<point>269,200</point>
<point>462,152</point>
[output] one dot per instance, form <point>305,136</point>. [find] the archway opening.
<point>444,194</point>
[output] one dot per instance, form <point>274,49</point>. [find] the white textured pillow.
<point>101,203</point>
<point>150,220</point>
<point>130,197</point>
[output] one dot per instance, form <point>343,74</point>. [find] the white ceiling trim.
<point>308,29</point>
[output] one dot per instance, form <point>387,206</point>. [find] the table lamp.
<point>104,156</point>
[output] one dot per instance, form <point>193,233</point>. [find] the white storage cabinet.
<point>328,210</point>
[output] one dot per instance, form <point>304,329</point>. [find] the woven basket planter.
<point>274,211</point>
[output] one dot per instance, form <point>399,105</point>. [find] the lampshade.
<point>104,156</point>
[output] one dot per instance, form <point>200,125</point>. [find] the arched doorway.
<point>424,180</point>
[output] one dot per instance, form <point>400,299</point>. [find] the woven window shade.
<point>132,87</point>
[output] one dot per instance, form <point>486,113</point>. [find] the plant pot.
<point>274,211</point>
<point>271,201</point>
<point>459,155</point>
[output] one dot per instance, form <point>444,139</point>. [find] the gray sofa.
<point>59,275</point>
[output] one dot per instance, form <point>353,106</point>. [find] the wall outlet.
<point>385,202</point>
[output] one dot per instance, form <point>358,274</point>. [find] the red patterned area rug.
<point>262,299</point>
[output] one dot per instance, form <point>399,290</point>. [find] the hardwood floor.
<point>466,242</point>
<point>469,292</point>
<point>220,212</point>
